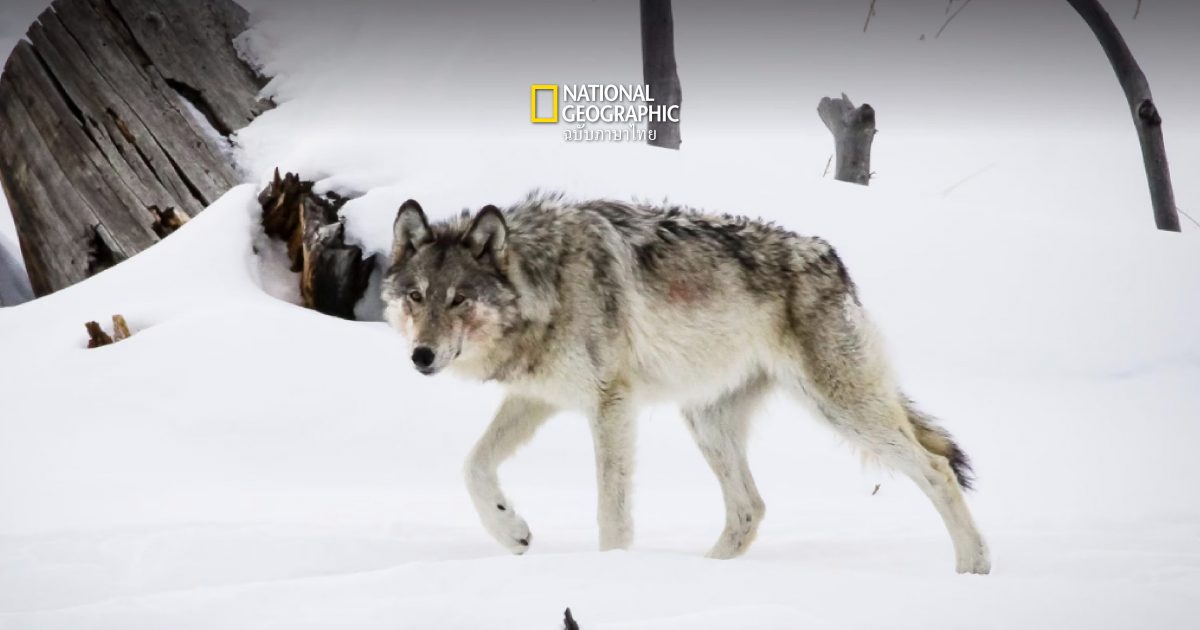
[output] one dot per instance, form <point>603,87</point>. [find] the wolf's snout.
<point>422,358</point>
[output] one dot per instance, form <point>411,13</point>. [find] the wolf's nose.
<point>422,357</point>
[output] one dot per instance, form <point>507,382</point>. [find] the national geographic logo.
<point>619,110</point>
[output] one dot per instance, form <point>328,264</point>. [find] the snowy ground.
<point>244,463</point>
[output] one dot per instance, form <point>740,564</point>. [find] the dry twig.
<point>870,14</point>
<point>951,18</point>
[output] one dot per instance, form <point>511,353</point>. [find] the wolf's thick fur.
<point>603,307</point>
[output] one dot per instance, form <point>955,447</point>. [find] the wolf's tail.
<point>936,440</point>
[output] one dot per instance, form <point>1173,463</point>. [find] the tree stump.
<point>333,275</point>
<point>853,130</point>
<point>658,68</point>
<point>111,115</point>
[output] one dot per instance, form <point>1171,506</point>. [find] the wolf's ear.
<point>488,234</point>
<point>410,230</point>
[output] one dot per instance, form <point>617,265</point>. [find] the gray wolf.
<point>603,306</point>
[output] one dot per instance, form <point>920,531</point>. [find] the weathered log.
<point>333,275</point>
<point>658,69</point>
<point>1146,117</point>
<point>102,157</point>
<point>853,130</point>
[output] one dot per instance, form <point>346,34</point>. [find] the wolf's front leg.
<point>613,432</point>
<point>516,421</point>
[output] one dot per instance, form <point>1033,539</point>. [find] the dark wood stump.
<point>659,70</point>
<point>102,153</point>
<point>333,275</point>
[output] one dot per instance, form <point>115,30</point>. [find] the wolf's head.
<point>446,289</point>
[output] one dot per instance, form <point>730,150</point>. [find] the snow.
<point>242,462</point>
<point>14,284</point>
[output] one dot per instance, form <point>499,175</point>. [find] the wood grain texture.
<point>102,155</point>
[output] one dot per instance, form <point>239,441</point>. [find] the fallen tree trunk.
<point>333,275</point>
<point>112,114</point>
<point>853,130</point>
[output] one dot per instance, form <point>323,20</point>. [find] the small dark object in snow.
<point>96,335</point>
<point>873,492</point>
<point>569,621</point>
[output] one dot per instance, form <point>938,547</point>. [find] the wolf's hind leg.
<point>842,368</point>
<point>720,429</point>
<point>613,435</point>
<point>515,423</point>
<point>873,416</point>
<point>934,476</point>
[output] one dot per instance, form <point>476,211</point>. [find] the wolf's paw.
<point>731,544</point>
<point>509,530</point>
<point>975,561</point>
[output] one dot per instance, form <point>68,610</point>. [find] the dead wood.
<point>102,154</point>
<point>96,335</point>
<point>853,130</point>
<point>333,275</point>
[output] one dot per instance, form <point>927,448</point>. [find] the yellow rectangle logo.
<point>533,102</point>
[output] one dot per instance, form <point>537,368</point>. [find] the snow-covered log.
<point>333,275</point>
<point>853,130</point>
<point>111,115</point>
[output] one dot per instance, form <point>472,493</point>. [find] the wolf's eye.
<point>414,296</point>
<point>458,299</point>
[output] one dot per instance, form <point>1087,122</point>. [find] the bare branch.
<point>951,18</point>
<point>870,14</point>
<point>1188,216</point>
